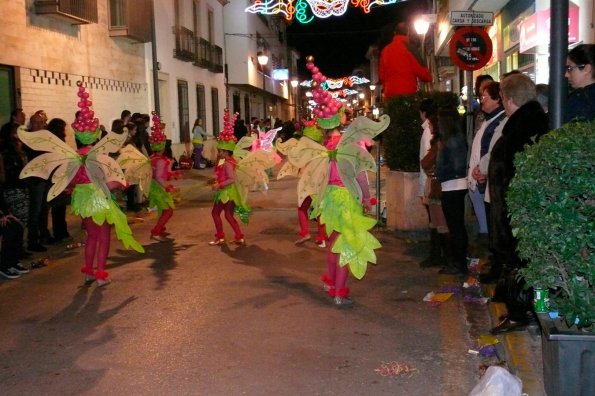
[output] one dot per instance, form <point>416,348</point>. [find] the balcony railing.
<point>216,59</point>
<point>73,11</point>
<point>203,53</point>
<point>184,44</point>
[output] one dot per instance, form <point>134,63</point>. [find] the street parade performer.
<point>335,177</point>
<point>160,191</point>
<point>237,170</point>
<point>90,173</point>
<point>311,130</point>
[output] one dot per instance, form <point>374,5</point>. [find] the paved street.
<point>190,319</point>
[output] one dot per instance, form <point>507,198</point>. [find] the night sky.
<point>339,44</point>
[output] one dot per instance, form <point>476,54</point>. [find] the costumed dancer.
<point>310,131</point>
<point>91,173</point>
<point>335,176</point>
<point>160,191</point>
<point>227,196</point>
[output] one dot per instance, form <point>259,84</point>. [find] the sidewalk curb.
<point>522,350</point>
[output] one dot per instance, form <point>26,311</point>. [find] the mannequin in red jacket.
<point>399,68</point>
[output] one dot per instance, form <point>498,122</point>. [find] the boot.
<point>342,298</point>
<point>434,260</point>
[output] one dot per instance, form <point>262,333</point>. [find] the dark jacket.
<point>451,163</point>
<point>580,105</point>
<point>528,121</point>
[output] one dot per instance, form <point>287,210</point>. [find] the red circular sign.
<point>470,48</point>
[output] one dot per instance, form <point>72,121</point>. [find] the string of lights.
<point>317,8</point>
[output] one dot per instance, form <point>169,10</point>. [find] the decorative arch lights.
<point>338,83</point>
<point>306,10</point>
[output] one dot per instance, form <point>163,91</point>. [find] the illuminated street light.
<point>262,58</point>
<point>422,23</point>
<point>372,87</point>
<point>362,95</point>
<point>294,83</point>
<point>308,94</point>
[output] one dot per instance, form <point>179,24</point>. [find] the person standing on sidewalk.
<point>400,66</point>
<point>451,172</point>
<point>198,136</point>
<point>526,121</point>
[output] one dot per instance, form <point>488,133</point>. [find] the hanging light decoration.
<point>319,8</point>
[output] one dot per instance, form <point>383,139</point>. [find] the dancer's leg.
<point>216,213</point>
<point>229,206</point>
<point>163,219</point>
<point>90,245</point>
<point>303,217</point>
<point>103,246</point>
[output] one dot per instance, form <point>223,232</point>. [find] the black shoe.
<point>20,269</point>
<point>507,325</point>
<point>9,273</point>
<point>37,248</point>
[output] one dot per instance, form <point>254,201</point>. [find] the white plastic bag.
<point>497,381</point>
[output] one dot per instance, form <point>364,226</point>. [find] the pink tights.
<point>304,221</point>
<point>97,244</point>
<point>228,209</point>
<point>336,277</point>
<point>163,219</point>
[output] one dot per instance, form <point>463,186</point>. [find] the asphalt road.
<point>186,318</point>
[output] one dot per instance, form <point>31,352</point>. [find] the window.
<point>200,104</point>
<point>117,13</point>
<point>215,107</point>
<point>196,17</point>
<point>247,108</point>
<point>236,102</point>
<point>211,26</point>
<point>183,113</point>
<point>7,93</point>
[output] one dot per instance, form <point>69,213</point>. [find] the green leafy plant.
<point>551,200</point>
<point>401,139</point>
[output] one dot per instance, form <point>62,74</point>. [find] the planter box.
<point>568,359</point>
<point>404,210</point>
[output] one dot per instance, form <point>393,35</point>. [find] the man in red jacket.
<point>399,68</point>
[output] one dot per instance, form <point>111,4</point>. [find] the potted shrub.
<point>400,144</point>
<point>551,200</point>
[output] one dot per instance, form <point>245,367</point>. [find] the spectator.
<point>125,116</point>
<point>451,171</point>
<point>580,72</point>
<point>491,107</point>
<point>543,96</point>
<point>37,232</point>
<point>17,117</point>
<point>15,192</point>
<point>198,136</point>
<point>427,109</point>
<point>141,139</point>
<point>240,130</point>
<point>526,119</point>
<point>58,205</point>
<point>432,191</point>
<point>399,69</point>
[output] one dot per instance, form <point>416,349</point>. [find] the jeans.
<point>479,209</point>
<point>197,155</point>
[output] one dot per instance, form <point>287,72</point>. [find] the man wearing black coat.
<point>527,120</point>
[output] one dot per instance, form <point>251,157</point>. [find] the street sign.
<point>470,48</point>
<point>471,18</point>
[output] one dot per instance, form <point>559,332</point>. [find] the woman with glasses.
<point>580,72</point>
